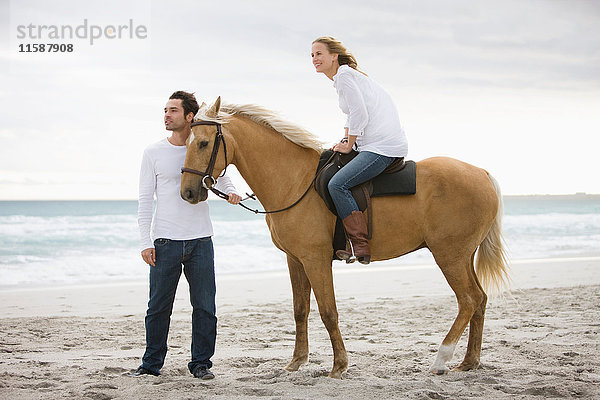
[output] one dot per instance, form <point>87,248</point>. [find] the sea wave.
<point>552,235</point>
<point>63,249</point>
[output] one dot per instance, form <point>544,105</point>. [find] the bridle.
<point>208,174</point>
<point>211,166</point>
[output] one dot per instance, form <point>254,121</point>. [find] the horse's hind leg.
<point>301,294</point>
<point>471,360</point>
<point>469,296</point>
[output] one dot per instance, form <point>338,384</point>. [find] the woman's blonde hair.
<point>337,47</point>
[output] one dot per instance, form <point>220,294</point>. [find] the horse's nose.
<point>187,195</point>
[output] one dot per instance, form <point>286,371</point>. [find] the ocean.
<point>45,243</point>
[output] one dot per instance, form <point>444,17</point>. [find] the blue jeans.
<point>197,258</point>
<point>364,166</point>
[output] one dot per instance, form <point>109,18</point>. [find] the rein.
<point>211,166</point>
<point>224,196</point>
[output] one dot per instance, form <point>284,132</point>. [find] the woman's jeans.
<point>197,258</point>
<point>366,165</point>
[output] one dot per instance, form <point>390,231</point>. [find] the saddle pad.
<point>401,182</point>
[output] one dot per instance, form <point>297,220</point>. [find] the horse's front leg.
<point>301,295</point>
<point>321,278</point>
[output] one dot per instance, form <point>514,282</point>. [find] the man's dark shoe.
<point>203,373</point>
<point>143,371</point>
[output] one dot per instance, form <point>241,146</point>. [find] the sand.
<point>543,341</point>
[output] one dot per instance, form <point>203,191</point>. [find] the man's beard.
<point>173,127</point>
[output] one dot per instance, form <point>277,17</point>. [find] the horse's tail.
<point>491,265</point>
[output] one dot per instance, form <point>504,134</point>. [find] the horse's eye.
<point>202,144</point>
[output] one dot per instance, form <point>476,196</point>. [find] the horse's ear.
<point>214,110</point>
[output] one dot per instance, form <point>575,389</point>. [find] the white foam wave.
<point>43,250</point>
<point>552,235</point>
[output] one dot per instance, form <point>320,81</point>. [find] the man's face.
<point>174,116</point>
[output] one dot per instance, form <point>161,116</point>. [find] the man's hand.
<point>149,256</point>
<point>234,198</point>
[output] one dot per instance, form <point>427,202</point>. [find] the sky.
<point>509,86</point>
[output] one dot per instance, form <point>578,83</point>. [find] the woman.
<point>372,127</point>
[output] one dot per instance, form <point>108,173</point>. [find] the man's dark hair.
<point>188,101</point>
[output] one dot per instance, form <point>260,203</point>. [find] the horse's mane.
<point>270,119</point>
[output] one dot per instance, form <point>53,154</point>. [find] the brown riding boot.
<point>356,231</point>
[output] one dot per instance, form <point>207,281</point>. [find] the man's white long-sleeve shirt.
<point>175,218</point>
<point>372,114</point>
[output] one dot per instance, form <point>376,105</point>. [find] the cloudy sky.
<point>510,86</point>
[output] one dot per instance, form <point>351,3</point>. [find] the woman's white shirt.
<point>371,114</point>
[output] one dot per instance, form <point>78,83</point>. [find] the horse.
<point>455,213</point>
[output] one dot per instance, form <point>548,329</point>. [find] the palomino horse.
<point>455,212</point>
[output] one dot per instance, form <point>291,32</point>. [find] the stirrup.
<point>345,256</point>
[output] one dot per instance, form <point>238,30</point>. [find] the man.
<point>182,235</point>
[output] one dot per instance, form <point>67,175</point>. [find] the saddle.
<point>399,178</point>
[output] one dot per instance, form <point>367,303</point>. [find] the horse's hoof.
<point>466,367</point>
<point>339,368</point>
<point>440,371</point>
<point>295,365</point>
<point>335,375</point>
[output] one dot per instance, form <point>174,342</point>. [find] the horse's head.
<point>206,155</point>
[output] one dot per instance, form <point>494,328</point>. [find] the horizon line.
<point>576,194</point>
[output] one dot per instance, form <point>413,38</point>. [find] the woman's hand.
<point>343,147</point>
<point>346,145</point>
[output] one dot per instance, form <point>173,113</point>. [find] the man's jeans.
<point>364,166</point>
<point>197,258</point>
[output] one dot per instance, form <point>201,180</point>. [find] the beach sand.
<point>542,341</point>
